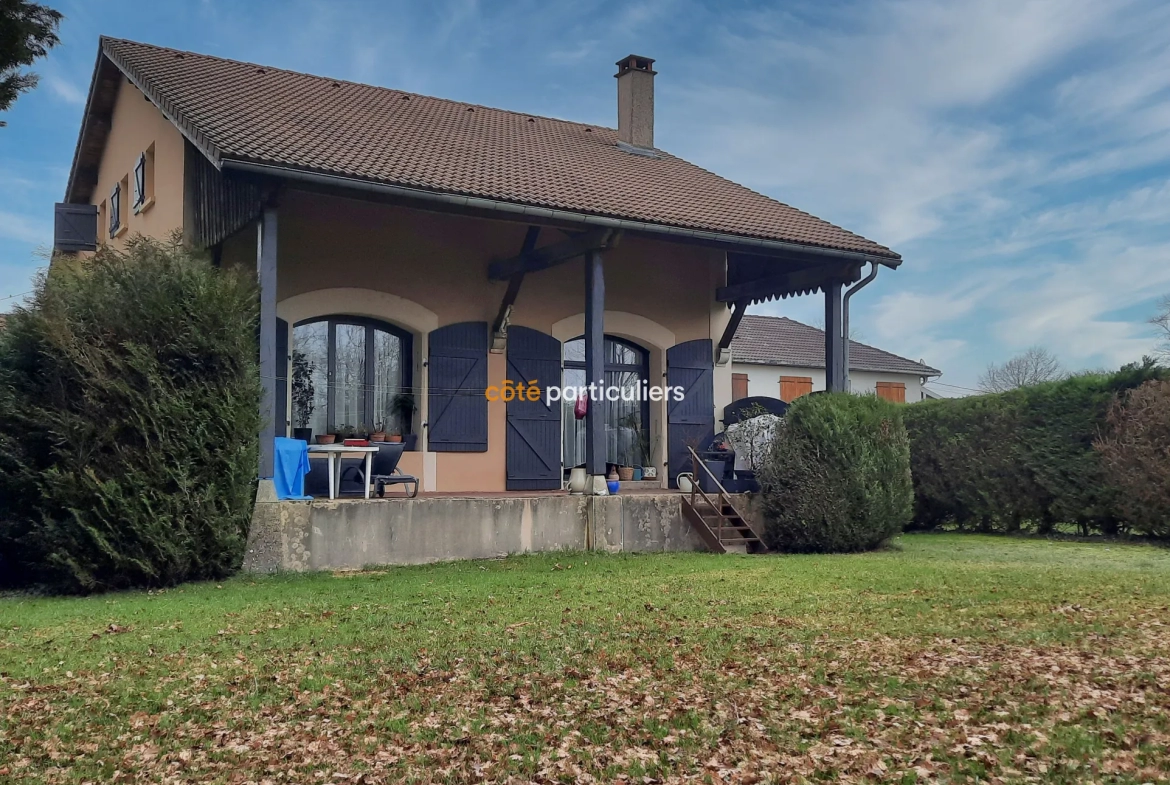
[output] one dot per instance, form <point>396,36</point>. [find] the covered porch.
<point>414,313</point>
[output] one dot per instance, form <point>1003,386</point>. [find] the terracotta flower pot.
<point>326,438</point>
<point>377,437</point>
<point>394,437</point>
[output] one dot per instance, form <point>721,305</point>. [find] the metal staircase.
<point>715,518</point>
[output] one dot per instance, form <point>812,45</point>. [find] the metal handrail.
<point>696,462</point>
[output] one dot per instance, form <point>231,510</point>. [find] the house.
<point>780,357</point>
<point>410,244</point>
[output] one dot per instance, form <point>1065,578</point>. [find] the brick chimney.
<point>635,80</point>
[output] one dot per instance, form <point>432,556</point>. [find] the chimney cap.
<point>635,63</point>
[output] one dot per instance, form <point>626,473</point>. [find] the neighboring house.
<point>412,244</point>
<point>781,358</point>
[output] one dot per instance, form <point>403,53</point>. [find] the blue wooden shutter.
<point>534,427</point>
<point>692,420</point>
<point>457,420</point>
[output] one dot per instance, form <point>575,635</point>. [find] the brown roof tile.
<point>255,113</point>
<point>778,340</point>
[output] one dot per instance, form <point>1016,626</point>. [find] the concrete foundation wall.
<point>324,535</point>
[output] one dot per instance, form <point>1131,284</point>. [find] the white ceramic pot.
<point>649,472</point>
<point>685,482</point>
<point>578,480</point>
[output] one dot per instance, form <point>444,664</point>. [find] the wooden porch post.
<point>836,375</point>
<point>266,275</point>
<point>595,368</point>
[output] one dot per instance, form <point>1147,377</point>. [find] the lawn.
<point>944,658</point>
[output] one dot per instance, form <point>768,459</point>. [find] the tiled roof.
<point>778,340</point>
<point>247,112</point>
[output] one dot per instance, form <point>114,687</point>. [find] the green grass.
<point>946,657</point>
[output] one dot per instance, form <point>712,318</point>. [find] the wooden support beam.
<point>787,283</point>
<point>836,375</point>
<point>266,275</point>
<point>552,255</point>
<point>500,325</point>
<point>723,348</point>
<point>733,324</point>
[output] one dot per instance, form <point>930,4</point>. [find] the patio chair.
<point>384,470</point>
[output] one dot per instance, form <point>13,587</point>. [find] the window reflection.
<point>349,371</point>
<point>626,420</point>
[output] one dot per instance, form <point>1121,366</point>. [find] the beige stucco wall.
<point>765,379</point>
<point>136,125</point>
<point>422,270</point>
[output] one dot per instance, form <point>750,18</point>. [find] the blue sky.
<point>1016,153</point>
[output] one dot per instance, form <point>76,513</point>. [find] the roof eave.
<point>925,371</point>
<point>87,127</point>
<point>745,243</point>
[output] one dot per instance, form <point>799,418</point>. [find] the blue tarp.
<point>291,466</point>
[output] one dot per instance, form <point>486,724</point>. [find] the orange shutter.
<point>792,387</point>
<point>892,391</point>
<point>739,386</point>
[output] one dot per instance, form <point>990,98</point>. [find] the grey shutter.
<point>692,420</point>
<point>534,427</point>
<point>457,418</point>
<point>280,421</point>
<point>75,227</point>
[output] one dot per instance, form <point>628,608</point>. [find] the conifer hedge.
<point>129,400</point>
<point>1023,459</point>
<point>837,475</point>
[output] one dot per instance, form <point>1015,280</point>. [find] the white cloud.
<point>24,229</point>
<point>66,90</point>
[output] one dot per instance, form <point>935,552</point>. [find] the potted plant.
<point>379,434</point>
<point>649,470</point>
<point>326,438</point>
<point>402,406</point>
<point>394,435</point>
<point>303,396</point>
<point>631,423</point>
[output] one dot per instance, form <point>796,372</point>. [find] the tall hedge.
<point>1135,449</point>
<point>129,400</point>
<point>837,475</point>
<point>1019,459</point>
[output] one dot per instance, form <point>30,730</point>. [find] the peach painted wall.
<point>439,263</point>
<point>137,124</point>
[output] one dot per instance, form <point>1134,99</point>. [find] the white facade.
<point>765,379</point>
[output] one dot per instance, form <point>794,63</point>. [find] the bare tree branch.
<point>1161,320</point>
<point>1034,366</point>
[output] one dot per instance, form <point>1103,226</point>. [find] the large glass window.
<point>627,420</point>
<point>349,371</point>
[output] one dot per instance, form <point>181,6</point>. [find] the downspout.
<point>873,271</point>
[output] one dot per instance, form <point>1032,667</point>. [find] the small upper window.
<point>144,180</point>
<point>116,210</point>
<point>140,182</point>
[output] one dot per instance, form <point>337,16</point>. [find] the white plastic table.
<point>334,453</point>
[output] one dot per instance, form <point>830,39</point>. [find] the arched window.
<point>627,420</point>
<point>347,370</point>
